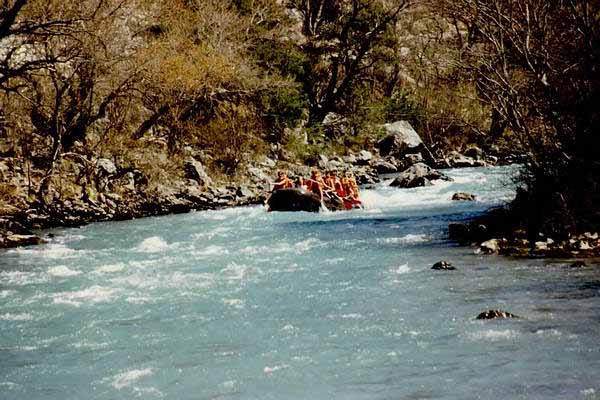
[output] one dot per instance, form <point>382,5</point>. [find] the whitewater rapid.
<point>240,303</point>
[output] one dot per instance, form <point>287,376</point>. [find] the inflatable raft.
<point>300,200</point>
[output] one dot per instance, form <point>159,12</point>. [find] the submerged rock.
<point>493,314</point>
<point>443,265</point>
<point>418,175</point>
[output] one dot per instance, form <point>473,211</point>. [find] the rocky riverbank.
<point>112,191</point>
<point>499,232</point>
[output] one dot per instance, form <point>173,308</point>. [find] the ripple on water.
<point>407,239</point>
<point>51,251</point>
<point>62,271</point>
<point>127,378</point>
<point>494,335</point>
<point>154,244</point>
<point>110,268</point>
<point>21,278</point>
<point>16,317</point>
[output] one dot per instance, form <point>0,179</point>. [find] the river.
<point>244,304</point>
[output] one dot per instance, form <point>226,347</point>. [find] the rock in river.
<point>418,175</point>
<point>462,196</point>
<point>443,265</point>
<point>493,314</point>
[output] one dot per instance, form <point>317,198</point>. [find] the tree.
<point>536,64</point>
<point>63,71</point>
<point>343,41</point>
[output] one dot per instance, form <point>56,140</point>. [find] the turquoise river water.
<point>245,304</point>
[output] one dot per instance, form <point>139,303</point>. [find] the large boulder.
<point>474,152</point>
<point>384,166</point>
<point>418,175</point>
<point>456,160</point>
<point>106,167</point>
<point>335,125</point>
<point>402,139</point>
<point>364,157</point>
<point>195,170</point>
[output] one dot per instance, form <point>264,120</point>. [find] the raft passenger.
<point>283,182</point>
<point>315,184</point>
<point>351,200</point>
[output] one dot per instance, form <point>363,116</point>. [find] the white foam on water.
<point>90,345</point>
<point>269,370</point>
<point>21,278</point>
<point>219,231</point>
<point>138,300</point>
<point>110,268</point>
<point>351,316</point>
<point>407,239</point>
<point>307,244</point>
<point>401,269</point>
<point>274,248</point>
<point>93,294</point>
<point>16,317</point>
<point>387,198</point>
<point>589,393</point>
<point>238,272</point>
<point>69,238</point>
<point>154,244</point>
<point>6,293</point>
<point>332,261</point>
<point>127,378</point>
<point>51,251</point>
<point>172,280</point>
<point>62,271</point>
<point>211,250</point>
<point>477,178</point>
<point>494,335</point>
<point>549,332</point>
